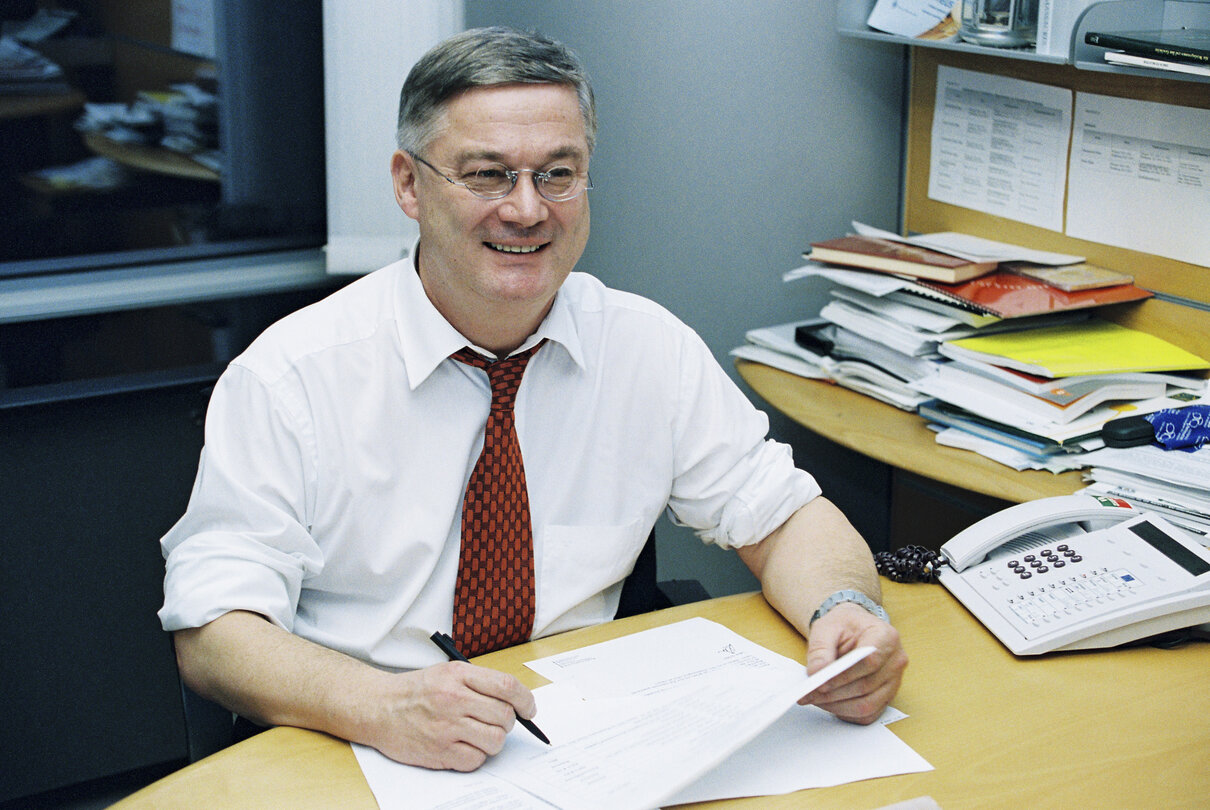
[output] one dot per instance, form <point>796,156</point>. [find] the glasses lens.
<point>490,181</point>
<point>558,183</point>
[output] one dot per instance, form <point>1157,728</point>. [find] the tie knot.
<point>504,374</point>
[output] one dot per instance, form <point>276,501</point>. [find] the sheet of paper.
<point>805,748</point>
<point>636,751</point>
<point>704,694</point>
<point>972,248</point>
<point>1140,177</point>
<point>908,18</point>
<point>403,787</point>
<point>999,145</point>
<point>662,658</point>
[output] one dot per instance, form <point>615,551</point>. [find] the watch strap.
<point>857,598</point>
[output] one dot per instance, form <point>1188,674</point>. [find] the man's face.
<point>489,258</point>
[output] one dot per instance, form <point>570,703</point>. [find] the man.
<point>324,538</point>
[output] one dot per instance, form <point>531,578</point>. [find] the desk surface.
<point>1115,728</point>
<point>896,437</point>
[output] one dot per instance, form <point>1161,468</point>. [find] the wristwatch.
<point>857,597</point>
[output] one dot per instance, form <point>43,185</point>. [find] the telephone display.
<point>1077,572</point>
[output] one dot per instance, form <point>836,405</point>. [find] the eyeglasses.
<point>495,181</point>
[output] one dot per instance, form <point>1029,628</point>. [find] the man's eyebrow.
<point>569,152</point>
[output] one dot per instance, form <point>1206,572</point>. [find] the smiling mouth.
<point>519,249</point>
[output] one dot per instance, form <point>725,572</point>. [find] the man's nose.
<point>524,205</point>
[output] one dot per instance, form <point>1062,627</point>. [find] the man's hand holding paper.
<point>861,693</point>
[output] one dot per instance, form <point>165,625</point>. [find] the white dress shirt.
<point>338,447</point>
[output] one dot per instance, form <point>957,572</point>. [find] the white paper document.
<point>999,145</point>
<point>972,248</point>
<point>635,722</point>
<point>1140,177</point>
<point>908,18</point>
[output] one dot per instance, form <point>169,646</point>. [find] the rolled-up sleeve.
<point>734,485</point>
<point>243,543</point>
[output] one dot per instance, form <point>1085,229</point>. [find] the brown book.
<point>872,253</point>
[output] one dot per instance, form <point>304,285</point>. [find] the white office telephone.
<point>1077,572</point>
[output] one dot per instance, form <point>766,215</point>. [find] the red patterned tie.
<point>494,596</point>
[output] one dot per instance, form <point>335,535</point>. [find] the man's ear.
<point>403,177</point>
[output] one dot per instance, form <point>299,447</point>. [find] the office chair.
<point>209,727</point>
<point>643,593</point>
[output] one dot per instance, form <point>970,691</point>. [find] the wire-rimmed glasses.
<point>494,181</point>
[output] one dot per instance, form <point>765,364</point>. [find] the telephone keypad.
<point>1052,601</point>
<point>1043,561</point>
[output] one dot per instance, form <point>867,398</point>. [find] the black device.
<point>1129,432</point>
<point>813,337</point>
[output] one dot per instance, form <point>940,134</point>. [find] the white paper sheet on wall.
<point>999,145</point>
<point>1140,177</point>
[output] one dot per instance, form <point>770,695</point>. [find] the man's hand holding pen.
<point>449,716</point>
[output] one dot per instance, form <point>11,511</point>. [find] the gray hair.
<point>486,57</point>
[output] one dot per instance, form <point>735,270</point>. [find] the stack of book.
<point>1177,50</point>
<point>1001,358</point>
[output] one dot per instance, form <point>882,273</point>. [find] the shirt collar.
<point>427,339</point>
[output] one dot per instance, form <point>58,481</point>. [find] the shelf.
<point>851,16</point>
<point>33,106</point>
<point>1027,54</point>
<point>1113,15</point>
<point>93,291</point>
<point>150,158</point>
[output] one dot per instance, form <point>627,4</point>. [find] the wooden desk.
<point>896,437</point>
<point>1123,728</point>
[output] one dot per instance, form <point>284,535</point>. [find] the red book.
<point>1008,295</point>
<point>873,253</point>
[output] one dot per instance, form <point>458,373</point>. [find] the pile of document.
<point>682,713</point>
<point>1174,483</point>
<point>23,69</point>
<point>1031,387</point>
<point>183,119</point>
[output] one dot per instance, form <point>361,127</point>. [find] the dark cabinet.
<point>101,426</point>
<point>89,481</point>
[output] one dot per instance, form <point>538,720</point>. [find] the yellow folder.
<point>1088,347</point>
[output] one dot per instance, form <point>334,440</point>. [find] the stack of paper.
<point>1047,391</point>
<point>849,360</point>
<point>1005,365</point>
<point>1174,483</point>
<point>686,712</point>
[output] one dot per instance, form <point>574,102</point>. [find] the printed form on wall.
<point>999,146</point>
<point>1140,177</point>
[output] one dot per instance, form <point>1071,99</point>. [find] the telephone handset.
<point>1077,572</point>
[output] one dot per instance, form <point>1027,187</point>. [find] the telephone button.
<point>1026,575</point>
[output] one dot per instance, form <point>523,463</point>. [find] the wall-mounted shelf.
<point>1113,15</point>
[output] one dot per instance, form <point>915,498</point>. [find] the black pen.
<point>447,646</point>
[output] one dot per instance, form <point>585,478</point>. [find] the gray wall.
<point>732,134</point>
